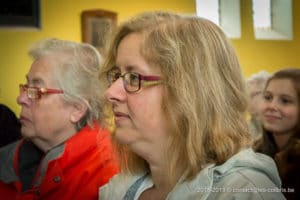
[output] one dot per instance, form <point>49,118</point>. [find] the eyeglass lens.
<point>32,93</point>
<point>131,81</point>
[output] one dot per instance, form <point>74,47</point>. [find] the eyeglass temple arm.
<point>150,78</point>
<point>51,91</point>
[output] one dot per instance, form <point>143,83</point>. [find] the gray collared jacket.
<point>246,175</point>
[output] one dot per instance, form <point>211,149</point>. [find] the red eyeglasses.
<point>36,92</point>
<point>132,81</point>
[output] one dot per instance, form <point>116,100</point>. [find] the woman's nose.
<point>23,99</point>
<point>116,92</point>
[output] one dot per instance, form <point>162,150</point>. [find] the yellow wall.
<point>61,19</point>
<point>269,55</point>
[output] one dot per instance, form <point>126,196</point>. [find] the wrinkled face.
<point>139,117</point>
<point>280,106</point>
<point>46,119</point>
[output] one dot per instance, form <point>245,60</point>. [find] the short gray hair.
<point>76,67</point>
<point>259,78</point>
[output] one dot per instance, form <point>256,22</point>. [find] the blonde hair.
<point>205,92</point>
<point>76,66</point>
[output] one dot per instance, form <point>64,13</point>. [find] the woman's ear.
<point>78,112</point>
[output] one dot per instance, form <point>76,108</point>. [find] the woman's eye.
<point>134,79</point>
<point>117,75</point>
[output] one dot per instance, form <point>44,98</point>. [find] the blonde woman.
<point>178,100</point>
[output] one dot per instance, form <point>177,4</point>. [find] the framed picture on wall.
<point>97,26</point>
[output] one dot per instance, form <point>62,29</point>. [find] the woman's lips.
<point>23,119</point>
<point>120,116</point>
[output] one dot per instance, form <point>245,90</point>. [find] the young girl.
<point>280,116</point>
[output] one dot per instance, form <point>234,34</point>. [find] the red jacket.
<point>72,170</point>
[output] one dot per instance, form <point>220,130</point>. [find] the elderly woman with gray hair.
<point>255,85</point>
<point>65,152</point>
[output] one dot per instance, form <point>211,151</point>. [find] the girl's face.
<point>280,106</point>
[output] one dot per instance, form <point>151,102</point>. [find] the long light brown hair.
<point>205,97</point>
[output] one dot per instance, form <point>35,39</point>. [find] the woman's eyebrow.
<point>34,81</point>
<point>129,68</point>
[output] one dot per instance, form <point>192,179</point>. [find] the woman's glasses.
<point>36,92</point>
<point>132,81</point>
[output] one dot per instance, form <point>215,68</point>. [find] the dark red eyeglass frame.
<point>143,80</point>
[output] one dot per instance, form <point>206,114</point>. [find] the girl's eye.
<point>285,101</point>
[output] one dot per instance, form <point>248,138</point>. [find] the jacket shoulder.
<point>246,184</point>
<point>7,161</point>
